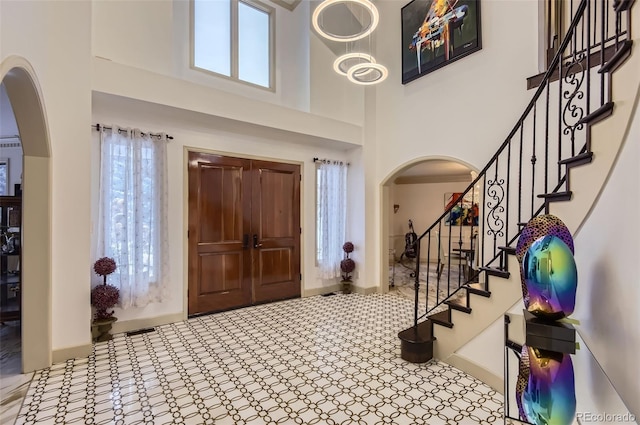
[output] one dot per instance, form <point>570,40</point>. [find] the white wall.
<point>154,35</point>
<point>55,37</point>
<point>608,291</point>
<point>333,95</point>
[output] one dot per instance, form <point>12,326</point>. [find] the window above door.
<point>234,39</point>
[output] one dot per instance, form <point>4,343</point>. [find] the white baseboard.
<point>321,291</point>
<point>337,288</point>
<point>82,351</point>
<point>148,322</point>
<point>78,352</point>
<point>365,291</point>
<point>470,367</point>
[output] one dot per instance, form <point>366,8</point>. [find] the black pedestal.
<point>549,335</point>
<point>416,343</point>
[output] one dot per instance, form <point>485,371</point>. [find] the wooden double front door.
<point>244,232</point>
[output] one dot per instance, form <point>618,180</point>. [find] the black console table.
<point>596,400</point>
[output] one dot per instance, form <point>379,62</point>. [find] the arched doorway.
<point>428,177</point>
<point>25,96</point>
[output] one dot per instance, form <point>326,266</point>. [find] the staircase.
<point>541,167</point>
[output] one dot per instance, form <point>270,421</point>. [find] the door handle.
<point>245,241</point>
<point>255,241</point>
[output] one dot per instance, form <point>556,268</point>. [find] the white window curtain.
<point>331,216</point>
<point>133,213</point>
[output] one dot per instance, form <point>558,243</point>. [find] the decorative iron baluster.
<point>495,223</point>
<point>572,113</point>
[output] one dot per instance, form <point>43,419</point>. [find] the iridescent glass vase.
<point>551,278</point>
<point>546,392</point>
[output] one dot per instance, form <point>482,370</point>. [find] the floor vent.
<point>141,331</point>
<point>329,294</point>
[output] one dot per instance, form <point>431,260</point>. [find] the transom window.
<point>234,38</point>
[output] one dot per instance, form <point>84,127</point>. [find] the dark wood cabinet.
<point>10,256</point>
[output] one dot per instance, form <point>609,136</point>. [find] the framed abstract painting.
<point>436,33</point>
<point>464,210</point>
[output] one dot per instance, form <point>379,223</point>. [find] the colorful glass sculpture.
<point>551,278</point>
<point>539,226</point>
<point>536,228</point>
<point>549,395</point>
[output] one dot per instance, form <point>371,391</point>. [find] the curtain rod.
<point>98,127</point>
<point>330,161</point>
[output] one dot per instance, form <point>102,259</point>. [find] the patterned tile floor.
<point>318,360</point>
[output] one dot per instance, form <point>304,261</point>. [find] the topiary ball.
<point>104,297</point>
<point>104,266</point>
<point>347,247</point>
<point>347,265</point>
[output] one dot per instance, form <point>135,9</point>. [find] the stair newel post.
<point>417,285</point>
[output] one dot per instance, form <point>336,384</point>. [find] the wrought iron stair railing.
<point>530,168</point>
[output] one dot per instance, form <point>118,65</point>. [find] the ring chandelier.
<point>366,71</point>
<point>341,64</point>
<point>356,73</point>
<point>366,4</point>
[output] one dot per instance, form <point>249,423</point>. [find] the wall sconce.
<point>396,207</point>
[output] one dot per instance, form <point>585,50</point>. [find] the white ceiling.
<point>288,4</point>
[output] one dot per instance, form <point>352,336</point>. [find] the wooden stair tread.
<point>492,271</point>
<point>618,58</point>
<point>621,5</point>
<point>508,249</point>
<point>598,115</point>
<point>557,196</point>
<point>417,335</point>
<point>583,158</point>
<point>459,304</point>
<point>478,289</point>
<point>442,319</point>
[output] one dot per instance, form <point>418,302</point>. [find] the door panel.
<point>274,266</point>
<point>219,272</point>
<point>219,218</point>
<point>276,223</point>
<point>276,203</point>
